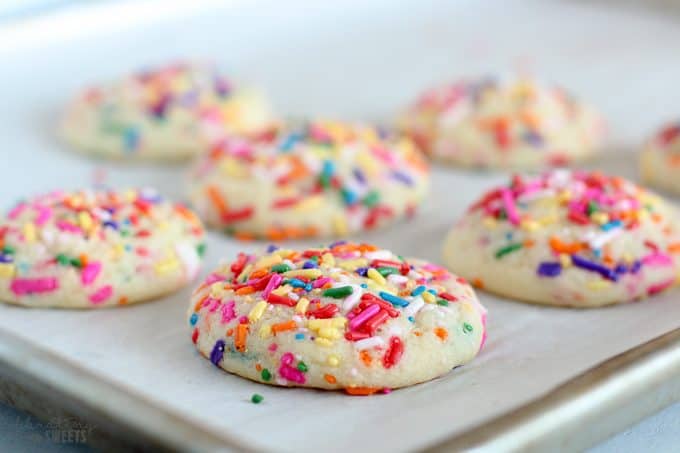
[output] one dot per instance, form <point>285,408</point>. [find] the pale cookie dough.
<point>318,179</point>
<point>514,123</point>
<point>91,249</point>
<point>660,159</point>
<point>567,238</point>
<point>166,114</point>
<point>348,316</point>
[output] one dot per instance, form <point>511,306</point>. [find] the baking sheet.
<point>375,62</point>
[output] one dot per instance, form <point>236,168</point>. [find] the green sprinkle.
<point>443,302</point>
<point>75,262</point>
<point>63,259</point>
<point>338,293</point>
<point>266,375</point>
<point>386,270</point>
<point>592,207</point>
<point>502,215</point>
<point>280,268</point>
<point>325,180</point>
<point>371,199</point>
<point>467,327</point>
<point>124,233</point>
<point>501,252</point>
<point>8,250</point>
<point>256,398</point>
<point>302,366</point>
<point>200,249</point>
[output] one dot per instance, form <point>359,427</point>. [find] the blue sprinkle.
<point>363,271</point>
<point>217,352</point>
<point>509,235</point>
<point>194,319</point>
<point>111,224</point>
<point>309,265</point>
<point>412,319</point>
<point>597,253</point>
<point>328,168</point>
<point>131,138</point>
<point>297,283</point>
<point>610,225</point>
<point>432,291</point>
<point>289,142</point>
<point>364,285</point>
<point>394,300</point>
<point>5,258</point>
<point>418,291</point>
<point>548,269</point>
<point>348,196</point>
<point>299,336</point>
<point>128,248</point>
<point>309,287</point>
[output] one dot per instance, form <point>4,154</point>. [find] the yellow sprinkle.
<point>309,203</point>
<point>600,217</point>
<point>231,167</point>
<point>310,273</point>
<point>599,284</point>
<point>85,220</point>
<point>337,323</point>
<point>282,290</point>
<point>642,214</point>
<point>246,271</point>
<point>267,261</point>
<point>548,220</point>
<point>29,232</point>
<point>628,258</point>
<point>284,253</point>
<point>323,342</point>
<point>265,331</point>
<point>6,270</point>
<point>328,259</point>
<point>564,196</point>
<point>340,225</point>
<point>429,297</point>
<point>466,307</point>
<point>117,251</point>
<point>165,266</point>
<point>162,225</point>
<point>530,225</point>
<point>217,290</point>
<point>333,361</point>
<point>350,265</point>
<point>301,307</point>
<point>565,260</point>
<point>329,333</point>
<point>376,277</point>
<point>367,163</point>
<point>490,222</point>
<point>257,310</point>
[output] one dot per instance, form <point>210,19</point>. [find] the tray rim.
<point>637,378</point>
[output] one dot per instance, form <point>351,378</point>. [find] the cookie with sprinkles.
<point>165,114</point>
<point>566,238</point>
<point>89,249</point>
<point>348,316</point>
<point>512,123</point>
<point>321,178</point>
<point>660,159</point>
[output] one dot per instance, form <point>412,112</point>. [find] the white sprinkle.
<point>379,255</point>
<point>367,343</point>
<point>352,299</point>
<point>598,240</point>
<point>397,279</point>
<point>189,256</point>
<point>413,307</point>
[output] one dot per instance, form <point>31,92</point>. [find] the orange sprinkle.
<point>258,367</point>
<point>199,304</point>
<point>674,247</point>
<point>367,248</point>
<point>123,300</point>
<point>245,290</point>
<point>477,283</point>
<point>417,333</point>
<point>240,340</point>
<point>330,378</point>
<point>361,391</point>
<point>284,326</point>
<point>366,358</point>
<point>529,243</point>
<point>563,247</point>
<point>674,160</point>
<point>217,200</point>
<point>258,273</point>
<point>275,234</point>
<point>442,333</point>
<point>230,332</point>
<point>83,259</point>
<point>244,236</point>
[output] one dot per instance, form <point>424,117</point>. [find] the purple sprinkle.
<point>604,271</point>
<point>621,268</point>
<point>271,248</point>
<point>309,265</point>
<point>359,175</point>
<point>217,352</point>
<point>337,243</point>
<point>222,87</point>
<point>110,224</point>
<point>403,177</point>
<point>363,271</point>
<point>548,269</point>
<point>533,138</point>
<point>636,267</point>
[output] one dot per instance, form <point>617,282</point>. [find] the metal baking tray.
<point>547,379</point>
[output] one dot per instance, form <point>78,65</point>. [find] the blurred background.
<point>612,54</point>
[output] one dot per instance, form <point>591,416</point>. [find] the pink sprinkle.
<point>362,317</point>
<point>272,284</point>
<point>319,282</point>
<point>212,278</point>
<point>510,208</point>
<point>288,372</point>
<point>657,259</point>
<point>214,306</point>
<point>273,347</point>
<point>228,312</point>
<point>16,211</point>
<point>68,227</point>
<point>660,286</point>
<point>484,335</point>
<point>44,214</point>
<point>90,272</point>
<point>102,294</point>
<point>21,286</point>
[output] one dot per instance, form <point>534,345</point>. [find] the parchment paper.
<point>364,66</point>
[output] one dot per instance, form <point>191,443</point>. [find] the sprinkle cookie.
<point>660,159</point>
<point>319,179</point>
<point>93,249</point>
<point>166,114</point>
<point>567,238</point>
<point>514,123</point>
<point>349,316</point>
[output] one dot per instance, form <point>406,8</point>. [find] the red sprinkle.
<point>280,300</point>
<point>393,353</point>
